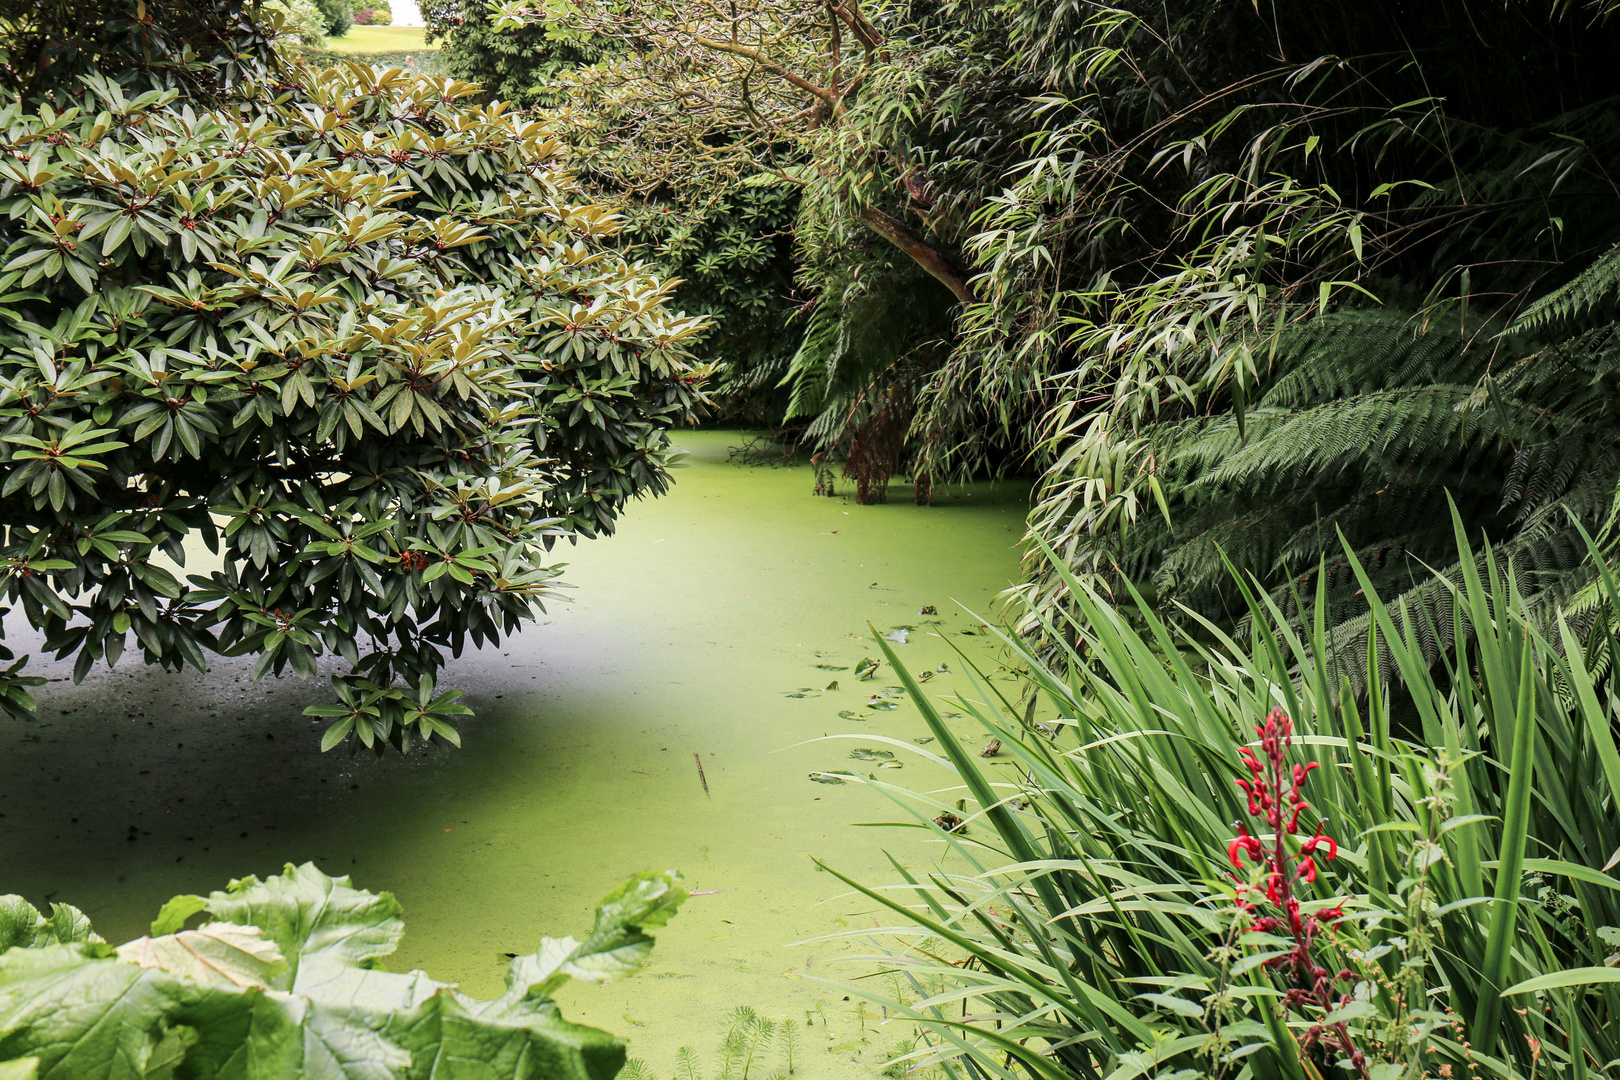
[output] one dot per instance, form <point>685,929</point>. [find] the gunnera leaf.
<point>217,954</point>
<point>300,994</point>
<point>21,925</point>
<point>309,915</point>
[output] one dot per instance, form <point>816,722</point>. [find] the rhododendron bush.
<point>350,328</point>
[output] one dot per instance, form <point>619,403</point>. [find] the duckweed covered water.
<point>725,624</point>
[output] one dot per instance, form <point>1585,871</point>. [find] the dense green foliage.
<point>1238,277</point>
<point>355,333</point>
<point>1106,918</point>
<point>284,979</point>
<point>727,239</point>
<point>1296,298</point>
<point>696,102</point>
<point>732,260</point>
<point>339,15</point>
<point>520,65</point>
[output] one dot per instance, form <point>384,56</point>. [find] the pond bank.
<point>694,631</point>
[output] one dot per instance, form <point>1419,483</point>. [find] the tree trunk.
<point>924,254</point>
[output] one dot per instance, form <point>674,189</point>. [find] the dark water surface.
<point>684,635</point>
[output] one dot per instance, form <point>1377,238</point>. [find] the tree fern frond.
<point>1594,287</point>
<point>1403,425</point>
<point>807,371</point>
<point>1194,572</point>
<point>1387,512</point>
<point>1360,351</point>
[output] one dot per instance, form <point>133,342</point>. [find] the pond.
<point>708,629</point>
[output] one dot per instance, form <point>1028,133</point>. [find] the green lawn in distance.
<point>379,39</point>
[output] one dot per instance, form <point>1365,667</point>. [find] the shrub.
<point>357,334</point>
<point>416,61</point>
<point>1127,900</point>
<point>339,15</point>
<point>285,979</point>
<point>301,22</point>
<point>374,15</point>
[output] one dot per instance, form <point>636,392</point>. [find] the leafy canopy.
<point>349,329</point>
<point>284,978</point>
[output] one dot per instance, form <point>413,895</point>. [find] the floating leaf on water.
<point>897,636</point>
<point>866,668</point>
<point>879,703</point>
<point>866,753</point>
<point>833,667</point>
<point>832,777</point>
<point>803,691</point>
<point>928,609</point>
<point>892,692</point>
<point>892,765</point>
<point>849,714</point>
<point>833,685</point>
<point>943,670</point>
<point>923,740</point>
<point>952,715</point>
<point>951,823</point>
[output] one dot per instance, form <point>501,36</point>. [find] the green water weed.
<point>745,1052</point>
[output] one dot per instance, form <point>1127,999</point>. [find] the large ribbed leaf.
<point>300,996</point>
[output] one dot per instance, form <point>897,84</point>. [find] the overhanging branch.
<point>924,254</point>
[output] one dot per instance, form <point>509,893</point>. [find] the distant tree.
<point>730,243</point>
<point>339,15</point>
<point>359,336</point>
<point>692,103</point>
<point>521,65</point>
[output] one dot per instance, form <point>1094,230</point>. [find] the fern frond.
<point>1361,351</point>
<point>1396,428</point>
<point>1592,288</point>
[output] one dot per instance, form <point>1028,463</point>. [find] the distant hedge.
<point>417,61</point>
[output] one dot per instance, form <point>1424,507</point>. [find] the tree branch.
<point>924,254</point>
<point>863,30</point>
<point>776,69</point>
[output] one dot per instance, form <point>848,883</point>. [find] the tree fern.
<point>1592,290</point>
<point>1368,422</point>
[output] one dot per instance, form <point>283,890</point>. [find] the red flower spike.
<point>1310,846</point>
<point>1274,793</point>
